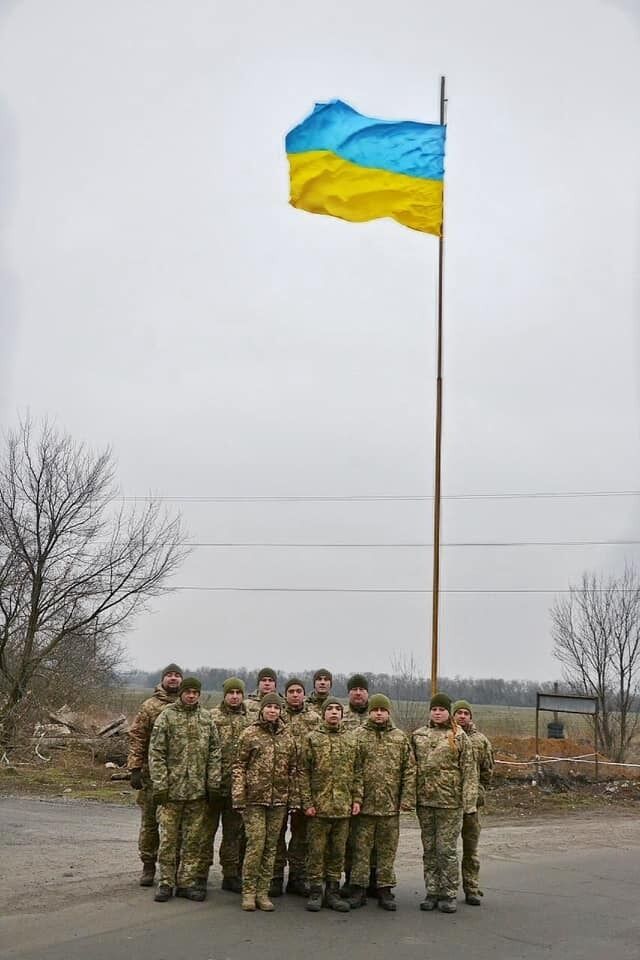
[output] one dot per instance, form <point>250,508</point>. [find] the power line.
<point>421,544</point>
<point>376,498</point>
<point>403,590</point>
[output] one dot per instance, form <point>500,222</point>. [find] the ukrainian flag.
<point>358,168</point>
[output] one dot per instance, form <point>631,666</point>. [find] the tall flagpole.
<point>435,610</point>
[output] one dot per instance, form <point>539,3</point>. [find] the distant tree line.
<point>400,686</point>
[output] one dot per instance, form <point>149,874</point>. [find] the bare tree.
<point>596,632</point>
<point>409,691</point>
<point>76,564</point>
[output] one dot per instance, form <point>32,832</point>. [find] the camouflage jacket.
<point>388,770</point>
<point>447,776</point>
<point>230,724</point>
<point>354,719</point>
<point>315,701</point>
<point>483,757</point>
<point>184,756</point>
<point>265,769</point>
<point>140,732</point>
<point>328,775</point>
<point>300,723</point>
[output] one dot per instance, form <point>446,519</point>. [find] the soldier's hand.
<point>310,812</point>
<point>160,797</point>
<point>355,808</point>
<point>136,780</point>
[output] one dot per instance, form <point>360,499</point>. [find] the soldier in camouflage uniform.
<point>328,782</point>
<point>300,720</point>
<point>471,826</point>
<point>357,712</point>
<point>388,786</point>
<point>185,764</point>
<point>322,682</point>
<point>138,764</point>
<point>264,785</point>
<point>230,719</point>
<point>267,683</point>
<point>447,787</point>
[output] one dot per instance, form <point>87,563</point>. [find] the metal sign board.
<point>565,703</point>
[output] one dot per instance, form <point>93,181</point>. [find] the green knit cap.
<point>379,700</point>
<point>294,681</point>
<point>267,673</point>
<point>332,702</point>
<point>357,680</point>
<point>190,683</point>
<point>323,672</point>
<point>461,705</point>
<point>233,683</point>
<point>172,668</point>
<point>440,700</point>
<point>271,698</point>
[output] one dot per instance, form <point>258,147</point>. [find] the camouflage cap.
<point>332,702</point>
<point>233,683</point>
<point>379,701</point>
<point>190,683</point>
<point>461,705</point>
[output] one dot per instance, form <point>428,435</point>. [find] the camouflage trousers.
<point>296,851</point>
<point>232,844</point>
<point>262,826</point>
<point>181,827</point>
<point>381,834</point>
<point>348,853</point>
<point>148,837</point>
<point>470,860</point>
<point>440,829</point>
<point>326,844</point>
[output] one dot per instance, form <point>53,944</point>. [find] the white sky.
<point>159,295</point>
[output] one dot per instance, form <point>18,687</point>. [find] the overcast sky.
<point>159,295</point>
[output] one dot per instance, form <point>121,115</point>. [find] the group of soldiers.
<point>334,779</point>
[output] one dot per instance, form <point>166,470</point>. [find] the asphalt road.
<point>554,889</point>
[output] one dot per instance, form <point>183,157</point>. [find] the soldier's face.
<point>358,697</point>
<point>189,697</point>
<point>234,698</point>
<point>463,717</point>
<point>171,682</point>
<point>295,695</point>
<point>439,714</point>
<point>271,712</point>
<point>322,685</point>
<point>267,685</point>
<point>379,716</point>
<point>333,715</point>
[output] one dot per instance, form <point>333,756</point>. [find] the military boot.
<point>386,899</point>
<point>358,897</point>
<point>248,900</point>
<point>234,884</point>
<point>148,873</point>
<point>298,886</point>
<point>275,887</point>
<point>163,893</point>
<point>332,898</point>
<point>429,903</point>
<point>448,906</point>
<point>473,899</point>
<point>263,902</point>
<point>314,903</point>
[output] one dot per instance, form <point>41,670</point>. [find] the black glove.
<point>136,780</point>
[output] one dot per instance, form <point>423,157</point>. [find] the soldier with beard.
<point>138,764</point>
<point>483,758</point>
<point>357,711</point>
